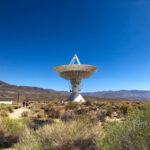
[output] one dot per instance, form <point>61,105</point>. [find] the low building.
<point>6,100</point>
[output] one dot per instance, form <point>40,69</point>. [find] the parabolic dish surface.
<point>78,72</point>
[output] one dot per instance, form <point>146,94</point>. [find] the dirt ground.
<point>17,113</point>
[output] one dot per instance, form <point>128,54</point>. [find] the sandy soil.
<point>8,149</point>
<point>17,113</point>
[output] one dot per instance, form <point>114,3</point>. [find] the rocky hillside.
<point>32,93</point>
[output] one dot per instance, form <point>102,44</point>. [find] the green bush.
<point>109,110</point>
<point>10,131</point>
<point>26,121</point>
<point>125,108</point>
<point>132,134</point>
<point>6,107</point>
<point>4,113</point>
<point>71,105</point>
<point>79,135</point>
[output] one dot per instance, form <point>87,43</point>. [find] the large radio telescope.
<point>75,73</point>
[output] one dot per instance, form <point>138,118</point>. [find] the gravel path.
<point>17,113</point>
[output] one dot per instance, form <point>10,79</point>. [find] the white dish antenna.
<point>75,73</point>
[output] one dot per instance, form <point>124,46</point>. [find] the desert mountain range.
<point>35,93</point>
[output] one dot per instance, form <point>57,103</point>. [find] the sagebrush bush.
<point>125,108</point>
<point>4,113</point>
<point>132,134</point>
<point>10,131</point>
<point>6,107</point>
<point>68,115</point>
<point>74,135</point>
<point>71,105</point>
<point>109,110</point>
<point>88,103</point>
<point>53,112</point>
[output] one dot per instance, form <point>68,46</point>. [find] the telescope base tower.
<point>75,96</point>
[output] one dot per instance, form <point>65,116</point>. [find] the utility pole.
<point>18,97</point>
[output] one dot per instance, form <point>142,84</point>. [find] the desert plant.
<point>40,115</point>
<point>53,112</point>
<point>132,134</point>
<point>109,110</point>
<point>125,108</point>
<point>79,135</point>
<point>68,115</point>
<point>88,103</point>
<point>71,105</point>
<point>4,113</point>
<point>6,107</point>
<point>10,131</point>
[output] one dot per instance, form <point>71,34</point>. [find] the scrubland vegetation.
<point>91,125</point>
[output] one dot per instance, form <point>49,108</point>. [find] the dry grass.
<point>69,126</point>
<point>74,135</point>
<point>10,131</point>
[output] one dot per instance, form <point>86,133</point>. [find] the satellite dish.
<point>75,73</point>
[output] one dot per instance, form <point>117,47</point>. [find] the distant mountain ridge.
<point>36,93</point>
<point>122,94</point>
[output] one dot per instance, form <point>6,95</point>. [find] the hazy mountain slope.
<point>123,94</point>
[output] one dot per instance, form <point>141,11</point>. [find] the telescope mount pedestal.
<point>75,96</point>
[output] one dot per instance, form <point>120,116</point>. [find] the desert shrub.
<point>86,117</point>
<point>81,110</point>
<point>26,121</point>
<point>16,106</point>
<point>10,131</point>
<point>29,142</point>
<point>125,108</point>
<point>6,107</point>
<point>40,115</point>
<point>88,103</point>
<point>25,114</point>
<point>71,105</point>
<point>101,114</point>
<point>35,107</point>
<point>132,134</point>
<point>68,115</point>
<point>4,113</point>
<point>100,104</point>
<point>109,110</point>
<point>53,112</point>
<point>142,106</point>
<point>74,135</point>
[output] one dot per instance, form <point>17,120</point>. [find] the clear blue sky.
<point>37,35</point>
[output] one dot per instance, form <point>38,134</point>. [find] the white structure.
<point>75,73</point>
<point>6,100</point>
